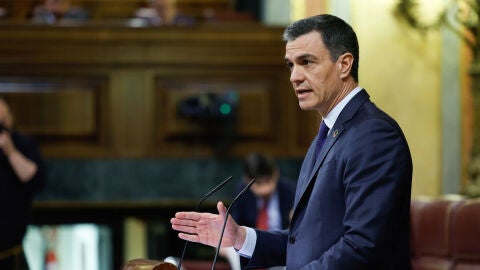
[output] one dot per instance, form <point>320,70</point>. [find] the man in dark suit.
<point>268,203</point>
<point>352,202</point>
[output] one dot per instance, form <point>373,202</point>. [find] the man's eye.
<point>289,65</point>
<point>306,62</point>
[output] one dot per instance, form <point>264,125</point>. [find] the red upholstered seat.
<point>466,236</point>
<point>430,234</point>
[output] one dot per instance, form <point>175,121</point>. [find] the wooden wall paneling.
<point>56,113</point>
<point>131,103</point>
<point>253,114</point>
<point>96,46</point>
<point>59,112</point>
<point>105,10</point>
<point>263,124</point>
<point>138,70</point>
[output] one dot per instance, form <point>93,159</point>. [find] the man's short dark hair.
<point>257,165</point>
<point>337,35</point>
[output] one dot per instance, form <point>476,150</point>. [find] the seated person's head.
<point>58,7</point>
<point>263,169</point>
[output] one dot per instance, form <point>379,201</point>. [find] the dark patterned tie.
<point>322,136</point>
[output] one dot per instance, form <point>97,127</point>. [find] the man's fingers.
<point>195,216</point>
<point>191,225</point>
<point>185,229</point>
<point>183,222</point>
<point>189,237</point>
<point>192,220</point>
<point>188,215</point>
<point>222,210</point>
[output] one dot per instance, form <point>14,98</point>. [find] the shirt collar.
<point>332,116</point>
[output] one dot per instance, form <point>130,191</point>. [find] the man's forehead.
<point>309,41</point>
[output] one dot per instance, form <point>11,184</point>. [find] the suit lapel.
<point>313,164</point>
<point>305,173</point>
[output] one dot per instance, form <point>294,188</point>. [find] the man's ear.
<point>345,63</point>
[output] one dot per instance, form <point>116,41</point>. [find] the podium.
<point>144,264</point>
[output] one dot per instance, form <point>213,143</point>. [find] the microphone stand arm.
<point>226,219</point>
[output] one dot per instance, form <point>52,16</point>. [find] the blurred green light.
<point>225,109</point>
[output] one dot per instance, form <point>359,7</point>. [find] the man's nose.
<point>296,75</point>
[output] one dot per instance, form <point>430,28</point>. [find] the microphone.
<point>197,206</point>
<point>226,218</point>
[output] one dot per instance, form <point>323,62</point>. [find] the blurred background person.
<point>21,174</point>
<point>162,12</point>
<point>267,204</point>
<point>55,11</point>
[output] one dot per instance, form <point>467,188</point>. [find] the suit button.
<point>291,239</point>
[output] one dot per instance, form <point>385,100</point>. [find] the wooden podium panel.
<point>145,264</point>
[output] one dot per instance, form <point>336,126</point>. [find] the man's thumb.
<point>222,210</point>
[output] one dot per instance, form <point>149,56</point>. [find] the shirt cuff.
<point>249,244</point>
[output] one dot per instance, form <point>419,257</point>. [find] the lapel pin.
<point>335,133</point>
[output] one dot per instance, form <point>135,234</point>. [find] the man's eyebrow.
<point>306,55</point>
<point>300,57</point>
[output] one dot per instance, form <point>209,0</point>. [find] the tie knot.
<point>322,133</point>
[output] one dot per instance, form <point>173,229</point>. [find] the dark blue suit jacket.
<point>245,210</point>
<point>352,205</point>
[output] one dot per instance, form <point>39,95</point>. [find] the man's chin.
<point>305,106</point>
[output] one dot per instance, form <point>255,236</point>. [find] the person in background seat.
<point>267,204</point>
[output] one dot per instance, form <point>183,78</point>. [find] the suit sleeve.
<point>270,250</point>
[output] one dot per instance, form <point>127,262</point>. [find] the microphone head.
<point>173,260</point>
